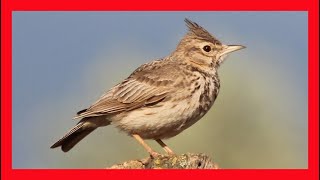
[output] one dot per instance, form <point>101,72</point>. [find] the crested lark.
<point>162,98</point>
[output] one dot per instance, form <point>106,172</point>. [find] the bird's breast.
<point>204,95</point>
<point>208,94</point>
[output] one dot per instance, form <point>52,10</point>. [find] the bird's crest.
<point>200,32</point>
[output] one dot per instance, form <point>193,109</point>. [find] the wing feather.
<point>143,87</point>
<point>132,95</point>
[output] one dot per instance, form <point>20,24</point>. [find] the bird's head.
<point>200,48</point>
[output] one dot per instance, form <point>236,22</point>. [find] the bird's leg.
<point>165,147</point>
<point>145,145</point>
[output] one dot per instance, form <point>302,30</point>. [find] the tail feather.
<point>76,134</point>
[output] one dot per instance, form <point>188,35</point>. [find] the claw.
<point>154,154</point>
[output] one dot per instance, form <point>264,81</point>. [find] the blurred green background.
<point>64,61</point>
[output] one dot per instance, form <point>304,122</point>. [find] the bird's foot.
<point>169,151</point>
<point>154,154</point>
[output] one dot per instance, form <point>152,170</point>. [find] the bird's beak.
<point>230,48</point>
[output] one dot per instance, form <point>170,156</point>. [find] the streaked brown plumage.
<point>162,98</point>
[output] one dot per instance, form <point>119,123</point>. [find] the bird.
<point>162,98</point>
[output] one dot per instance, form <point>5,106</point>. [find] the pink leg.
<point>145,145</point>
<point>165,147</point>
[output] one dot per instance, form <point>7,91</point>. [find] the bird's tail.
<point>76,134</point>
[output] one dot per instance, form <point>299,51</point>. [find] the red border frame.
<point>147,5</point>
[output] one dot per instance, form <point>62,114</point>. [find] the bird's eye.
<point>207,48</point>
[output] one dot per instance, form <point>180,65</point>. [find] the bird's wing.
<point>142,88</point>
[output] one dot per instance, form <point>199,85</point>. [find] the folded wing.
<point>140,89</point>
